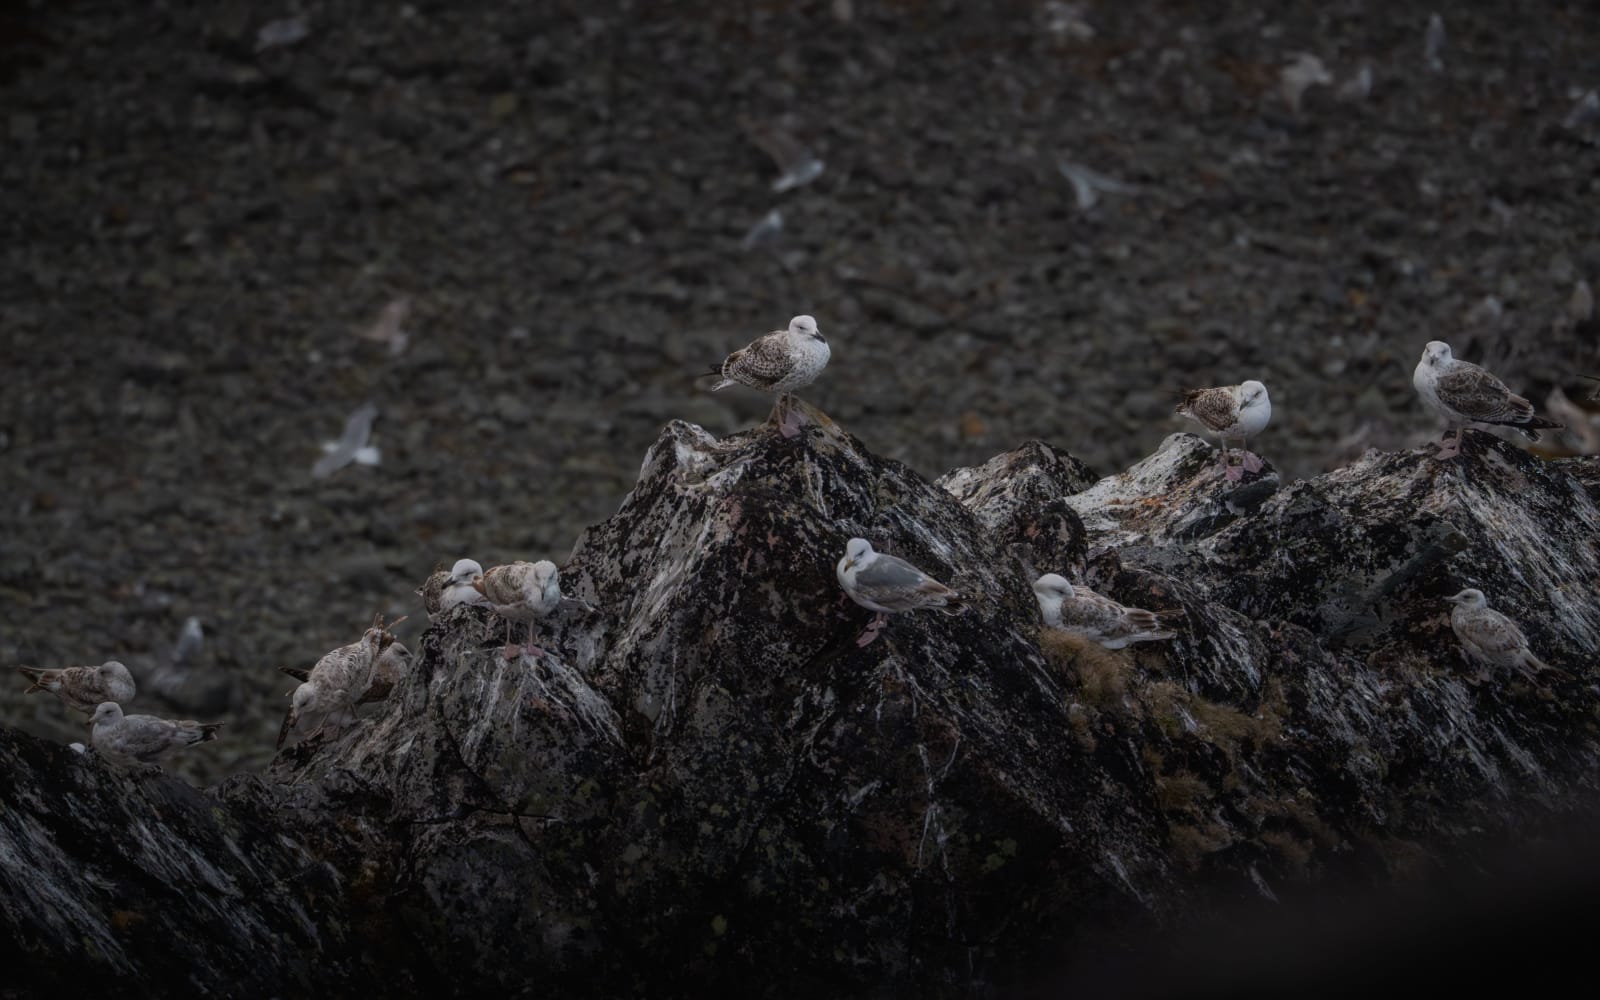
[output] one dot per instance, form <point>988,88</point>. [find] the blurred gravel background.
<point>204,203</point>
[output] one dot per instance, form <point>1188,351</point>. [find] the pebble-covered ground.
<point>200,211</point>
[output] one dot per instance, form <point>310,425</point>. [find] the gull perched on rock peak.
<point>888,584</point>
<point>1463,393</point>
<point>1490,639</point>
<point>522,592</point>
<point>388,670</point>
<point>779,362</point>
<point>340,679</point>
<point>1231,411</point>
<point>83,688</point>
<point>145,738</point>
<point>1081,611</point>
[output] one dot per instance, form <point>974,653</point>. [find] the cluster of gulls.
<point>1459,392</point>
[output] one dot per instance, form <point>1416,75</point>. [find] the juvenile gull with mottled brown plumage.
<point>339,680</point>
<point>779,362</point>
<point>1081,611</point>
<point>1463,393</point>
<point>1231,411</point>
<point>83,688</point>
<point>1490,639</point>
<point>888,584</point>
<point>522,592</point>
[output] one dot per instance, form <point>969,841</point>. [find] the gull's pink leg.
<point>1232,473</point>
<point>1452,447</point>
<point>1252,461</point>
<point>790,423</point>
<point>873,630</point>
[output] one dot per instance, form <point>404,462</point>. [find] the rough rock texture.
<point>107,874</point>
<point>708,785</point>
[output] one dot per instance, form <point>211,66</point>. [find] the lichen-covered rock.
<point>707,784</point>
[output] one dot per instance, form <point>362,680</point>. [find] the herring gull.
<point>340,679</point>
<point>1489,638</point>
<point>888,584</point>
<point>83,688</point>
<point>1463,393</point>
<point>1079,610</point>
<point>1231,411</point>
<point>145,738</point>
<point>779,362</point>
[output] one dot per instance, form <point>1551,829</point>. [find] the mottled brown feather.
<point>1216,409</point>
<point>1479,395</point>
<point>761,365</point>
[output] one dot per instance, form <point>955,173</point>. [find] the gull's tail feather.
<point>1532,665</point>
<point>205,732</point>
<point>300,674</point>
<point>1147,621</point>
<point>1531,428</point>
<point>36,675</point>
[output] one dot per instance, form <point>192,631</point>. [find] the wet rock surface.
<point>707,784</point>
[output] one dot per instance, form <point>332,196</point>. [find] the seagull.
<point>83,688</point>
<point>798,164</point>
<point>144,738</point>
<point>460,587</point>
<point>1489,638</point>
<point>780,362</point>
<point>886,584</point>
<point>521,592</point>
<point>1081,611</point>
<point>1433,43</point>
<point>1305,72</point>
<point>353,444</point>
<point>340,679</point>
<point>1231,411</point>
<point>387,671</point>
<point>1462,393</point>
<point>432,589</point>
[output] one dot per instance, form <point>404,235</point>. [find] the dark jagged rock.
<point>707,784</point>
<point>136,882</point>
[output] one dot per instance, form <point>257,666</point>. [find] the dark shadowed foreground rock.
<point>708,785</point>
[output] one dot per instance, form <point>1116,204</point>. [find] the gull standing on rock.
<point>1231,411</point>
<point>83,688</point>
<point>521,592</point>
<point>145,738</point>
<point>1463,393</point>
<point>1489,638</point>
<point>887,584</point>
<point>387,671</point>
<point>1081,611</point>
<point>461,585</point>
<point>780,362</point>
<point>340,679</point>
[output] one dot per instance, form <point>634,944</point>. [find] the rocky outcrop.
<point>708,784</point>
